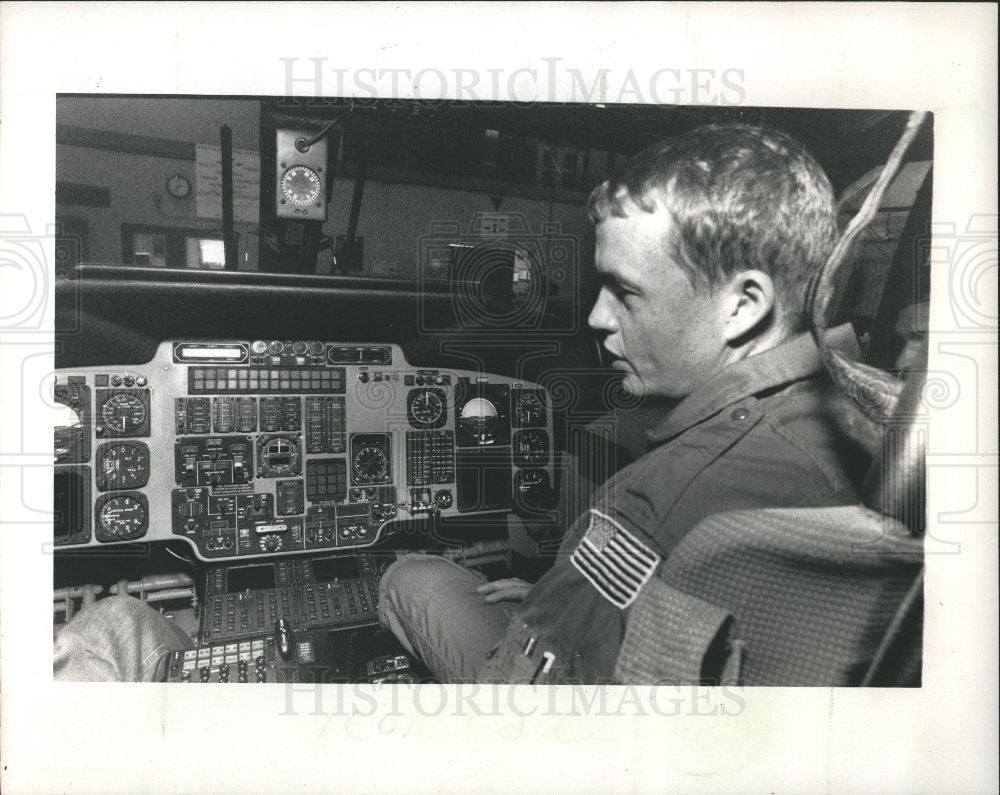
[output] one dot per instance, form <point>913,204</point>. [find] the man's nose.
<point>601,318</point>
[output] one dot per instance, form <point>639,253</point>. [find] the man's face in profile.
<point>663,335</point>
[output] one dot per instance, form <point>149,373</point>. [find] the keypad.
<point>326,479</point>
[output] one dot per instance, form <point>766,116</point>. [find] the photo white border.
<point>127,738</point>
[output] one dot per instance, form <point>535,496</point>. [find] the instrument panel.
<point>275,447</point>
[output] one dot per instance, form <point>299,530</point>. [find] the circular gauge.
<point>121,516</point>
<point>529,480</point>
<point>531,447</point>
<point>529,410</point>
<point>179,186</point>
<point>122,466</point>
<point>370,465</point>
<point>533,489</point>
<point>123,413</point>
<point>300,185</point>
<point>277,455</point>
<point>479,418</point>
<point>426,407</point>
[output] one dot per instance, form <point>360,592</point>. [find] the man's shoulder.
<point>778,450</point>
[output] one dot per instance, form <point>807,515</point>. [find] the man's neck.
<point>771,337</point>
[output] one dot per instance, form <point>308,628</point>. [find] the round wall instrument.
<point>178,186</point>
<point>300,186</point>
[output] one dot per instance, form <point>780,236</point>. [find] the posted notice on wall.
<point>246,183</point>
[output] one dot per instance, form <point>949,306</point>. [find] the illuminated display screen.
<point>211,353</point>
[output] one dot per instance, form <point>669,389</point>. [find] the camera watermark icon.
<point>501,277</point>
<point>26,275</point>
<point>969,255</point>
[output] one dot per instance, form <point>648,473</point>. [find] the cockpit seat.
<point>784,597</point>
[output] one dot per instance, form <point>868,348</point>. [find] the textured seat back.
<point>812,593</point>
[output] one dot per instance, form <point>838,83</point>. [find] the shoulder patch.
<point>613,560</point>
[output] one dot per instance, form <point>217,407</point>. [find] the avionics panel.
<point>273,447</point>
<point>246,599</point>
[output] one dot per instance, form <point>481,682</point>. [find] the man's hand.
<point>509,590</point>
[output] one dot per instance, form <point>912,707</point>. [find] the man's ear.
<point>749,305</point>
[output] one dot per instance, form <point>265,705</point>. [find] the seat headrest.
<point>895,485</point>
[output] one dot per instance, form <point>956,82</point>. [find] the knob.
<point>129,380</point>
<point>440,380</point>
<point>298,347</point>
<point>363,376</point>
<point>140,380</point>
<point>261,662</point>
<point>276,346</point>
<point>185,675</point>
<point>271,543</point>
<point>116,380</point>
<point>262,676</point>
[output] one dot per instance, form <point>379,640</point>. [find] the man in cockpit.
<point>706,245</point>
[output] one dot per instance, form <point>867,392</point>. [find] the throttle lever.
<point>283,638</point>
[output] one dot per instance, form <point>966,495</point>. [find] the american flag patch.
<point>615,562</point>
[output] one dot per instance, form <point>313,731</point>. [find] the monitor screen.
<point>69,503</point>
<point>330,569</point>
<point>253,578</point>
